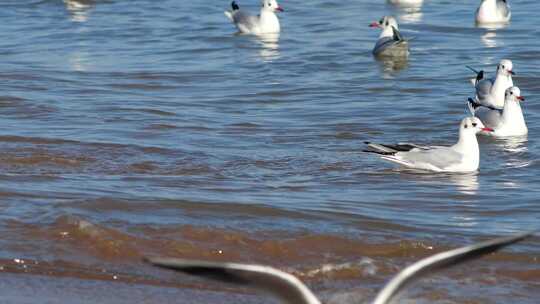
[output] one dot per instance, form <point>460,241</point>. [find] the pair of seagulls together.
<point>498,102</point>
<point>292,291</point>
<point>392,44</point>
<point>496,112</point>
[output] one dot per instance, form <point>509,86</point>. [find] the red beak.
<point>511,72</point>
<point>487,129</point>
<point>279,8</point>
<point>520,98</point>
<point>374,24</point>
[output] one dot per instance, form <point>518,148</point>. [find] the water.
<point>136,128</point>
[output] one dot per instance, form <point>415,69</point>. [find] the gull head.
<point>513,94</point>
<point>472,125</point>
<point>385,23</point>
<point>271,5</point>
<point>505,68</point>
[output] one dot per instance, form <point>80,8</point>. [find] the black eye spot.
<point>511,93</point>
<point>466,126</point>
<point>387,23</point>
<point>474,124</point>
<point>269,4</point>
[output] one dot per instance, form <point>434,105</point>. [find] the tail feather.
<point>379,149</point>
<point>479,75</point>
<point>472,105</point>
<point>234,8</point>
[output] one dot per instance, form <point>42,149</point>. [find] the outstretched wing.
<point>441,261</point>
<point>285,286</point>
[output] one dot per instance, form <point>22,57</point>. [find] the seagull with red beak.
<point>390,43</point>
<point>266,22</point>
<point>506,122</point>
<point>464,156</point>
<point>491,92</point>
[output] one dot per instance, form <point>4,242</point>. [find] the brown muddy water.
<point>147,128</point>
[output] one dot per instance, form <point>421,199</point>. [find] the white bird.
<point>490,92</point>
<point>493,11</point>
<point>293,291</point>
<point>506,122</point>
<point>464,156</point>
<point>266,22</point>
<point>390,42</point>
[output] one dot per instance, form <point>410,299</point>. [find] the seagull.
<point>266,22</point>
<point>490,92</point>
<point>390,43</point>
<point>493,11</point>
<point>506,122</point>
<point>464,156</point>
<point>292,291</point>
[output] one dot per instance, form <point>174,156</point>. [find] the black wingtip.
<point>473,103</point>
<point>234,6</point>
<point>397,35</point>
<point>479,76</point>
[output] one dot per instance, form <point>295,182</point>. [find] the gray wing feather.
<point>387,46</point>
<point>243,21</point>
<point>284,285</point>
<point>483,88</point>
<point>440,157</point>
<point>441,261</point>
<point>491,118</point>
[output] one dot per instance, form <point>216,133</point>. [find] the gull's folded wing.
<point>443,260</point>
<point>285,286</point>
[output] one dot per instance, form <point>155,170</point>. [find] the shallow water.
<point>135,128</point>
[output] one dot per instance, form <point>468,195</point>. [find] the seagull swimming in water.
<point>266,22</point>
<point>506,122</point>
<point>292,291</point>
<point>490,92</point>
<point>464,156</point>
<point>493,11</point>
<point>390,42</point>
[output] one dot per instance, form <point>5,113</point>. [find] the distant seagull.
<point>266,22</point>
<point>490,92</point>
<point>506,122</point>
<point>292,291</point>
<point>464,156</point>
<point>390,43</point>
<point>493,11</point>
